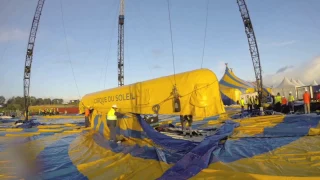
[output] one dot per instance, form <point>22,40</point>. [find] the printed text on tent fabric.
<point>119,97</point>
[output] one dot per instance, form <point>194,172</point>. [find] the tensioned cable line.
<point>68,52</point>
<point>205,34</point>
<point>174,69</point>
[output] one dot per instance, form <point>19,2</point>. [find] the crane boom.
<point>121,45</point>
<point>29,55</point>
<point>253,46</point>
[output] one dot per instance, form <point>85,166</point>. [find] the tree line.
<point>17,102</point>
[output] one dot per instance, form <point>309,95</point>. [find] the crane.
<point>253,46</point>
<point>121,45</point>
<point>29,55</point>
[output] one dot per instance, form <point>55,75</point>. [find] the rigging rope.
<point>174,69</point>
<point>67,47</point>
<point>205,34</point>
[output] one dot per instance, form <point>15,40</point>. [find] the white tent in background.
<point>294,82</point>
<point>285,87</point>
<point>314,83</point>
<point>301,84</point>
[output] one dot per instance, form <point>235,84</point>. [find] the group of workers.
<point>47,111</point>
<point>252,103</point>
<point>282,104</point>
<point>50,112</point>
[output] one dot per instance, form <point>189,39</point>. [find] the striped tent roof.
<point>230,80</point>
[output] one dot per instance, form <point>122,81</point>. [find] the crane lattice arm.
<point>121,45</point>
<point>29,55</point>
<point>253,46</point>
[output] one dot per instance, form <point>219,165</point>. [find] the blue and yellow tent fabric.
<point>231,87</point>
<point>270,147</point>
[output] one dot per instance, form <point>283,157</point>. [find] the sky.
<point>81,37</point>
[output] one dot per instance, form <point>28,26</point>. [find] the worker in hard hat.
<point>283,104</point>
<point>277,102</point>
<point>306,100</point>
<point>112,122</point>
<point>291,102</point>
<point>283,101</point>
<point>242,104</point>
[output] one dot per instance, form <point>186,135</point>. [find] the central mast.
<point>121,45</point>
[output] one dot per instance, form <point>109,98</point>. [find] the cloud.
<point>13,35</point>
<point>156,67</point>
<point>157,52</point>
<point>278,44</point>
<point>284,43</point>
<point>306,72</point>
<point>283,69</point>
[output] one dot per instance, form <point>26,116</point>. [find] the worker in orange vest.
<point>86,115</point>
<point>283,104</point>
<point>306,100</point>
<point>284,101</point>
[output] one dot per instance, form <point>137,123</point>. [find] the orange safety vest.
<point>86,112</point>
<point>306,97</point>
<point>284,101</point>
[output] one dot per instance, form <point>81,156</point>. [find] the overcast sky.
<point>287,31</point>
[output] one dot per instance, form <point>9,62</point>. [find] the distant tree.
<point>57,101</point>
<point>10,100</point>
<point>17,102</point>
<point>33,101</point>
<point>74,102</point>
<point>2,100</point>
<point>47,101</point>
<point>14,107</point>
<point>39,101</point>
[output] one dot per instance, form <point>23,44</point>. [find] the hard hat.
<point>290,92</point>
<point>306,90</point>
<point>114,106</point>
<point>282,96</point>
